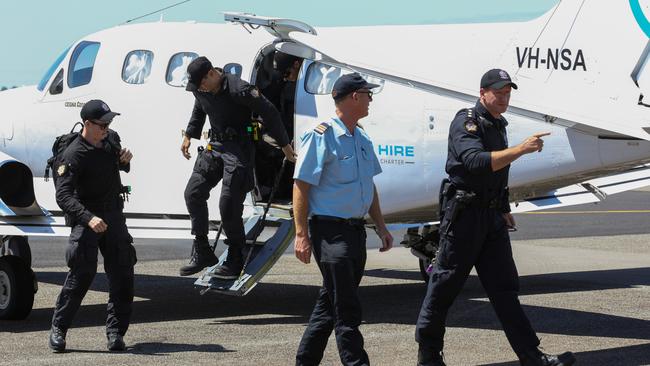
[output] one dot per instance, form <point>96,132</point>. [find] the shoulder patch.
<point>61,170</point>
<point>470,120</point>
<point>321,128</point>
<point>471,126</point>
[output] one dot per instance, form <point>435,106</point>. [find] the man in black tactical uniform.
<point>474,227</point>
<point>228,101</point>
<point>280,91</point>
<point>88,190</point>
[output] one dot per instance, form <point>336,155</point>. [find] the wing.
<point>590,191</point>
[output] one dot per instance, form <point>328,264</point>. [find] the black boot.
<point>57,339</point>
<point>233,265</point>
<point>202,256</point>
<point>115,342</point>
<point>536,357</point>
<point>430,357</point>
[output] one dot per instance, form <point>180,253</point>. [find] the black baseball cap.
<point>496,79</point>
<point>350,83</point>
<point>196,71</point>
<point>97,111</point>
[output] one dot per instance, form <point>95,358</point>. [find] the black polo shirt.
<point>473,135</point>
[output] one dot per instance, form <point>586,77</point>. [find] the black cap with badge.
<point>496,79</point>
<point>350,83</point>
<point>196,71</point>
<point>97,111</point>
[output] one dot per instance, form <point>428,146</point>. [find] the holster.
<point>445,186</point>
<point>452,202</point>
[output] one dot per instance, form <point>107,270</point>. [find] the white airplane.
<point>578,78</point>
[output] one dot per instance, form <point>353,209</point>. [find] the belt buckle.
<point>353,221</point>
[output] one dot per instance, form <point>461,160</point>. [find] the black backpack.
<point>60,144</point>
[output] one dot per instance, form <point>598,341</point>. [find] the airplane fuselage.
<point>426,79</point>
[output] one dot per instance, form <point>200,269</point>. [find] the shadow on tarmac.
<point>621,356</point>
<point>159,349</point>
<point>164,349</point>
<point>171,298</point>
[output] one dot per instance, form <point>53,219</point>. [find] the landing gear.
<point>424,245</point>
<point>17,288</point>
<point>17,246</point>
<point>17,280</point>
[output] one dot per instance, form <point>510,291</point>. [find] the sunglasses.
<point>103,126</point>
<point>369,92</point>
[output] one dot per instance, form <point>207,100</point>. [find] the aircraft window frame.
<point>56,82</point>
<point>142,72</point>
<point>182,83</point>
<point>82,76</point>
<point>233,66</point>
<point>314,75</point>
<point>50,71</point>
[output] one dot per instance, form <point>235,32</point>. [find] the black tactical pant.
<point>478,237</point>
<point>119,255</point>
<point>232,162</point>
<point>340,252</point>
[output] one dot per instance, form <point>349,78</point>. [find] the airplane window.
<point>137,67</point>
<point>82,62</point>
<point>177,68</point>
<point>235,69</point>
<point>57,84</point>
<point>50,71</point>
<point>321,78</point>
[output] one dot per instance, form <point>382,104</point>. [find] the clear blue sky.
<point>34,32</point>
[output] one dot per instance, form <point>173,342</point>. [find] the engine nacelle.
<point>17,196</point>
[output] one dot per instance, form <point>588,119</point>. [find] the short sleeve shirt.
<point>340,166</point>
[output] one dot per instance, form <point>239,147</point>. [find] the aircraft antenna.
<point>157,11</point>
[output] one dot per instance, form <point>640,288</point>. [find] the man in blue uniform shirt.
<point>474,227</point>
<point>333,191</point>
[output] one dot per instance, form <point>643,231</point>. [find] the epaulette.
<point>471,120</point>
<point>469,113</point>
<point>321,128</point>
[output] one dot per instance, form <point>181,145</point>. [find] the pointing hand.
<point>534,143</point>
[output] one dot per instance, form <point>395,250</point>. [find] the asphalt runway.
<point>585,284</point>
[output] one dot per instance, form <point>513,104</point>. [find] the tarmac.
<point>584,292</point>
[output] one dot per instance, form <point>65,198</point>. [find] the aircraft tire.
<point>19,246</point>
<point>17,288</point>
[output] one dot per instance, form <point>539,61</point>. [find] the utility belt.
<point>229,134</point>
<point>453,200</point>
<point>115,204</point>
<point>354,221</point>
<point>251,132</point>
<point>468,198</point>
